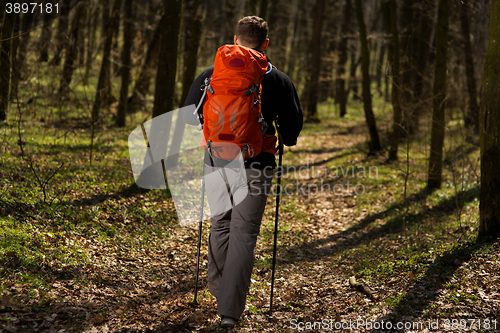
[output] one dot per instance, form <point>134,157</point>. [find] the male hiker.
<point>233,233</point>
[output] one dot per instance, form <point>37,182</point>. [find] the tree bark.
<point>105,66</point>
<point>489,207</point>
<point>72,51</point>
<point>375,145</point>
<point>315,63</point>
<point>472,117</point>
<point>44,41</point>
<point>263,9</point>
<point>15,45</point>
<point>193,36</point>
<point>92,27</point>
<point>439,97</point>
<point>390,8</point>
<point>341,94</point>
<point>353,66</point>
<point>61,39</point>
<point>5,62</point>
<point>406,70</point>
<point>427,11</point>
<point>141,87</point>
<point>25,29</point>
<point>126,62</point>
<point>165,83</point>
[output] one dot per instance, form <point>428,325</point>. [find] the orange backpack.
<point>232,118</point>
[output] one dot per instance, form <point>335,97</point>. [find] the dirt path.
<point>150,290</point>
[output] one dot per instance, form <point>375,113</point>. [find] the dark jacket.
<point>279,99</point>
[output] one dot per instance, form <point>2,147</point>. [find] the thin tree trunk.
<point>472,117</point>
<point>380,66</point>
<point>15,46</point>
<point>105,66</point>
<point>424,49</point>
<point>81,39</point>
<point>327,81</point>
<point>391,10</point>
<point>407,61</point>
<point>5,62</point>
<point>315,63</point>
<point>61,38</point>
<point>165,83</point>
<point>438,102</point>
<point>44,42</point>
<point>375,145</point>
<point>263,9</point>
<point>353,81</point>
<point>141,88</point>
<point>193,36</point>
<point>489,208</point>
<point>341,94</point>
<point>126,62</point>
<point>106,18</point>
<point>92,27</point>
<point>26,23</point>
<point>72,51</point>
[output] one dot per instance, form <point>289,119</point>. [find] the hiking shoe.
<point>227,322</point>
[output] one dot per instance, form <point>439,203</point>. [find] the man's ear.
<point>236,40</point>
<point>266,44</point>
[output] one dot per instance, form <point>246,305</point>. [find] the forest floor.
<point>91,252</point>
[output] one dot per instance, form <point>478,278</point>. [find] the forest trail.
<point>325,237</point>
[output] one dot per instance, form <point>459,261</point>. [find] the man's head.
<point>252,32</point>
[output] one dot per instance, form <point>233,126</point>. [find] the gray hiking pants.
<point>233,236</point>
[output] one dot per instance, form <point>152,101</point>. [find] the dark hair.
<point>252,31</point>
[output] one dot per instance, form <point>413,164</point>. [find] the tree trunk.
<point>92,27</point>
<point>390,8</point>
<point>315,63</point>
<point>61,39</point>
<point>193,36</point>
<point>15,45</point>
<point>423,50</point>
<point>375,145</point>
<point>106,22</point>
<point>406,70</point>
<point>116,51</point>
<point>472,117</point>
<point>141,88</point>
<point>353,66</point>
<point>5,62</point>
<point>126,62</point>
<point>380,66</point>
<point>325,89</point>
<point>439,95</point>
<point>489,207</point>
<point>263,9</point>
<point>229,22</point>
<point>341,94</point>
<point>44,41</point>
<point>165,83</point>
<point>72,51</point>
<point>105,66</point>
<point>81,38</point>
<point>26,23</point>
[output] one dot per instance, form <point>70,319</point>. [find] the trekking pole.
<point>199,236</point>
<point>280,152</point>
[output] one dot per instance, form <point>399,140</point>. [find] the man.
<point>233,234</point>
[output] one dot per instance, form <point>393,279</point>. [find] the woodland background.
<point>411,87</point>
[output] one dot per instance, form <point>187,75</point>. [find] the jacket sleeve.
<point>195,93</point>
<point>290,117</point>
